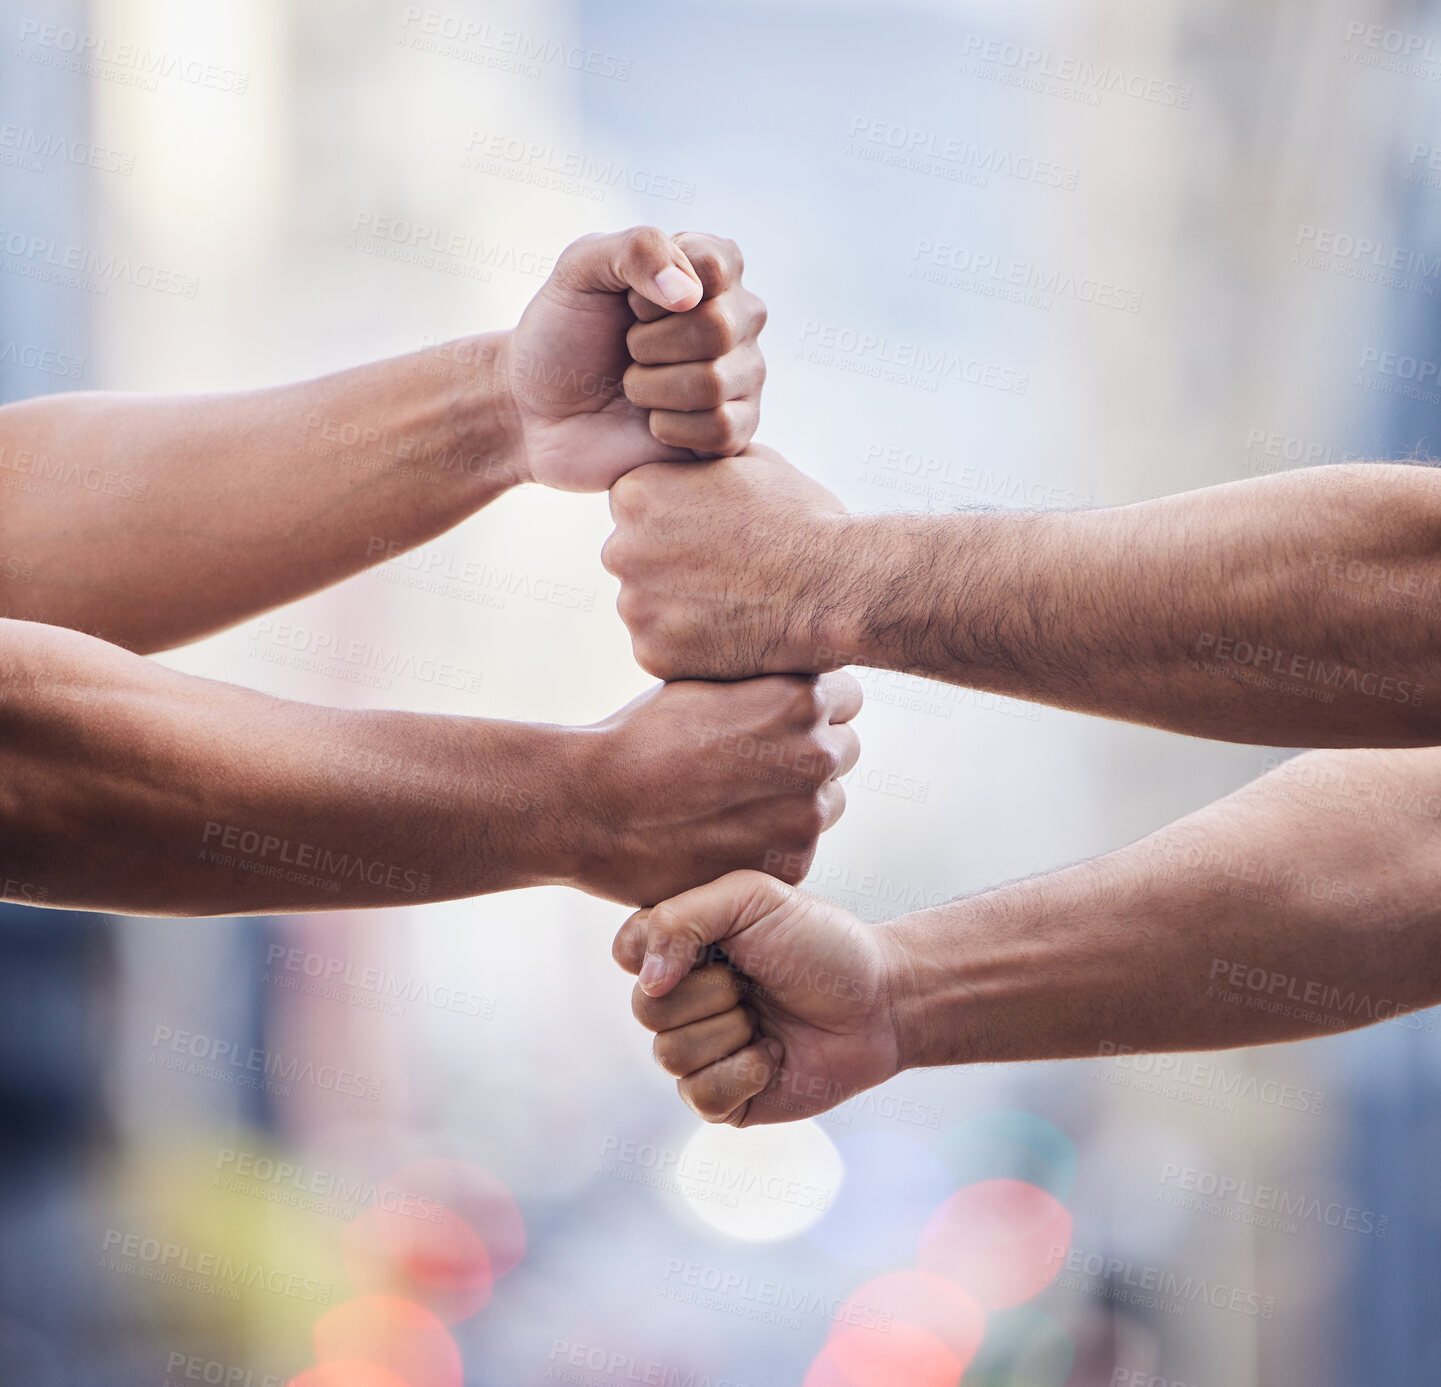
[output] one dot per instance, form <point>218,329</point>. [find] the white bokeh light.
<point>760,1184</point>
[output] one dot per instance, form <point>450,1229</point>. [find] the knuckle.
<point>825,759</point>
<point>810,819</point>
<point>720,329</point>
<point>638,344</point>
<point>647,238</point>
<point>669,1052</point>
<point>644,1008</point>
<point>708,389</point>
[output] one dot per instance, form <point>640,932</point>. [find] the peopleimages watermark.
<point>765,1301</point>
<point>1396,587</point>
<point>462,253</point>
<point>504,48</point>
<point>1392,50</point>
<point>268,854</point>
<point>23,147</point>
<point>1399,375</point>
<point>366,446</point>
<point>916,150</point>
<point>1214,652</point>
<point>295,1186</point>
<point>48,261</point>
<point>1261,1206</point>
<point>47,361</point>
<point>901,362</point>
<point>335,656</point>
<point>213,1372</point>
<point>1263,989</point>
<point>1152,1287</point>
<point>1201,1082</point>
<point>1021,282</point>
<point>1270,451</point>
<point>1366,259</point>
<point>1252,878</point>
<point>210,1273</point>
<point>710,1179</point>
<point>1063,75</point>
<point>542,164</point>
<point>43,473</point>
<point>1424,166</point>
<point>311,973</point>
<point>589,1365</point>
<point>1301,780</point>
<point>247,1066</point>
<point>470,580</point>
<point>127,64</point>
<point>903,469</point>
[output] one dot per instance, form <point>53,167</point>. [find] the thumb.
<point>666,941</point>
<point>643,259</point>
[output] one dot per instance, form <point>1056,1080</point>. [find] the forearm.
<point>1304,904</point>
<point>150,521</point>
<point>131,788</point>
<point>1295,610</point>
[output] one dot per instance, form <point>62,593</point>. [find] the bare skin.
<point>129,787</point>
<point>1293,610</point>
<point>151,521</point>
<point>134,524</point>
<point>1302,905</point>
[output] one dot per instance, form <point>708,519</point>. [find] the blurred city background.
<point>1150,236</point>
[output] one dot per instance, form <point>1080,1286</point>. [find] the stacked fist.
<point>636,369</point>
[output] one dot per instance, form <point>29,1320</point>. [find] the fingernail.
<point>674,284</point>
<point>651,971</point>
<point>775,1049</point>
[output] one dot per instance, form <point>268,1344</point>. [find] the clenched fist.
<point>727,568</point>
<point>640,347</point>
<point>693,779</point>
<point>798,1015</point>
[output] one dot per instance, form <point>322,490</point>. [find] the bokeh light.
<point>892,1186</point>
<point>440,1233</point>
<point>1007,1143</point>
<point>904,1327</point>
<point>391,1333</point>
<point>1003,1240</point>
<point>348,1374</point>
<point>760,1184</point>
<point>906,1355</point>
<point>1022,1347</point>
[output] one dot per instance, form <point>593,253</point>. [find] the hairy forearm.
<point>1304,904</point>
<point>128,787</point>
<point>1295,610</point>
<point>150,521</point>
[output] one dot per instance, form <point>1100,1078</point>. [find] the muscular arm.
<point>152,521</point>
<point>125,786</point>
<point>1304,904</point>
<point>1297,610</point>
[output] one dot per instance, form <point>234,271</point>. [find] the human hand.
<point>727,568</point>
<point>802,1017</point>
<point>640,347</point>
<point>691,780</point>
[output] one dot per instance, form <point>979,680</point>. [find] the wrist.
<point>847,550</point>
<point>485,419</point>
<point>516,806</point>
<point>914,995</point>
